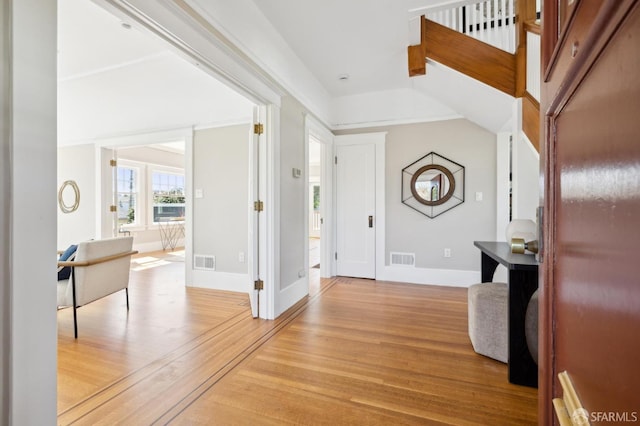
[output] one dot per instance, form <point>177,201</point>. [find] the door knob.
<point>370,221</point>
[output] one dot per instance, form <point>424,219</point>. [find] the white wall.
<point>408,231</point>
<point>221,216</point>
<point>526,172</point>
<point>292,193</point>
<point>77,163</point>
<point>503,183</point>
<point>5,210</point>
<point>28,218</point>
<point>150,154</point>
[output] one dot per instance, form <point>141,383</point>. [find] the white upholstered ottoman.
<point>488,319</point>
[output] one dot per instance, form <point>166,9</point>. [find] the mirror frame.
<point>69,208</point>
<point>454,196</point>
<point>441,200</point>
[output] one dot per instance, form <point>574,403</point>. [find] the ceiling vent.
<point>403,259</point>
<point>207,263</point>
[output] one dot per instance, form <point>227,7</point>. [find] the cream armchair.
<point>100,268</point>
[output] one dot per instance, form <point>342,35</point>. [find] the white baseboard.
<point>226,281</point>
<point>152,246</point>
<point>443,277</point>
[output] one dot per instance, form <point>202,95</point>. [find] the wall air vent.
<point>207,263</point>
<point>403,259</point>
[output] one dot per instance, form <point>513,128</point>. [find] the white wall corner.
<point>503,148</point>
<point>516,130</point>
<point>525,167</point>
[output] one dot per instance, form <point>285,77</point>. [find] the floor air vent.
<point>207,263</point>
<point>403,259</point>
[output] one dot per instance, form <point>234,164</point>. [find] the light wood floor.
<point>358,352</point>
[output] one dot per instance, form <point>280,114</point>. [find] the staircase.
<point>496,42</point>
<point>490,21</point>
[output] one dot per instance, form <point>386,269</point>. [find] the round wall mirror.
<point>433,185</point>
<point>69,196</point>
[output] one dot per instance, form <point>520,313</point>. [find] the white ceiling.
<point>365,40</point>
<point>114,81</point>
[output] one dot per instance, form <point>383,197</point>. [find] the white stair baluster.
<point>481,33</point>
<point>512,26</point>
<point>485,34</point>
<point>490,21</point>
<point>504,33</point>
<point>454,19</point>
<point>488,5</point>
<point>496,22</point>
<point>474,21</point>
<point>487,22</point>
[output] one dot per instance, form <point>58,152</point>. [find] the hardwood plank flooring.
<point>358,352</point>
<point>113,343</point>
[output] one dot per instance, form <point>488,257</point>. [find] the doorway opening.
<point>320,232</point>
<point>178,134</point>
<point>315,217</point>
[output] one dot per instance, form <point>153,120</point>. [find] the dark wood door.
<point>590,277</point>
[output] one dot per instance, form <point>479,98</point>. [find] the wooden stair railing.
<point>478,60</point>
<point>495,67</point>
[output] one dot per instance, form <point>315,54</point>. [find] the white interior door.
<point>356,210</point>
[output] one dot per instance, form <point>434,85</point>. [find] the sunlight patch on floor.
<point>147,262</point>
<point>177,253</point>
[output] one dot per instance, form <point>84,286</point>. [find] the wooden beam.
<point>417,60</point>
<point>478,60</point>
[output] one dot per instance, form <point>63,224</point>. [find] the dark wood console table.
<point>523,282</point>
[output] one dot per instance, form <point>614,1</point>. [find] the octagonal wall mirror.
<point>433,184</point>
